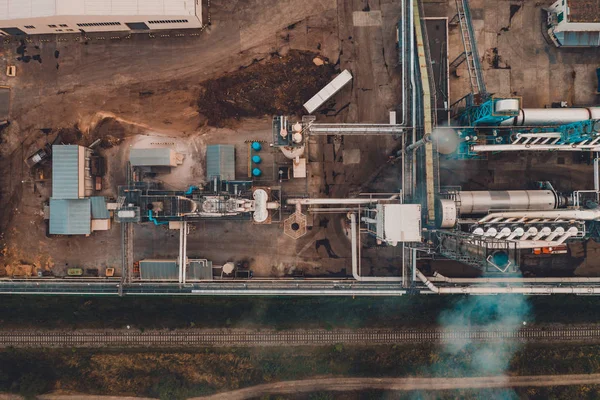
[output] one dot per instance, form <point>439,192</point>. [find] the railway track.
<point>201,338</point>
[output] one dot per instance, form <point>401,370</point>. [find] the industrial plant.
<point>314,202</point>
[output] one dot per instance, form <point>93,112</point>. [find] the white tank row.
<point>547,233</point>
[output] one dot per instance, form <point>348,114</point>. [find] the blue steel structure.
<point>484,114</point>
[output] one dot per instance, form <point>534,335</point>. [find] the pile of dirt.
<point>109,131</point>
<point>278,85</point>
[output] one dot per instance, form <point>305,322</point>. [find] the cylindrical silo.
<point>552,116</point>
<point>481,202</point>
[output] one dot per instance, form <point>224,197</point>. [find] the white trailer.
<point>328,91</point>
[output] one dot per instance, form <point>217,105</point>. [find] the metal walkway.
<point>541,142</point>
<point>470,54</point>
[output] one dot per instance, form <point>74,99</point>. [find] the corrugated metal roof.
<point>161,157</point>
<point>220,161</point>
<point>99,210</point>
<point>65,172</point>
<point>578,39</point>
<point>199,270</point>
<point>15,9</point>
<point>70,217</point>
<point>154,270</point>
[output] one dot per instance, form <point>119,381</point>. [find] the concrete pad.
<point>351,156</point>
<point>498,81</point>
<point>367,18</point>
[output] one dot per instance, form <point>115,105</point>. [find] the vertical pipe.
<point>184,256</point>
<point>354,246</point>
<point>180,257</point>
<point>403,39</point>
<point>596,173</point>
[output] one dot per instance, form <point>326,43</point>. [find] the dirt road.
<point>404,384</point>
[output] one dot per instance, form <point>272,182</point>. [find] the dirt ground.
<point>278,85</point>
<point>141,89</point>
<point>178,91</point>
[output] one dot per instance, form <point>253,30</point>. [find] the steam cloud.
<point>491,313</point>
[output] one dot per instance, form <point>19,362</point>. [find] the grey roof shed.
<point>159,270</point>
<point>199,270</point>
<point>65,172</point>
<point>220,162</point>
<point>70,217</point>
<point>160,157</point>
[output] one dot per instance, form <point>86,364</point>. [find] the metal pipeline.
<point>355,274</point>
<point>156,222</point>
<point>526,290</point>
<point>309,202</point>
<point>596,173</point>
<point>420,143</point>
<point>437,277</point>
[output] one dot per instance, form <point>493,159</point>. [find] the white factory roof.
<point>17,9</point>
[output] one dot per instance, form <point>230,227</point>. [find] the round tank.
<point>256,146</point>
<point>552,116</point>
<point>506,106</point>
<point>297,127</point>
<point>446,214</point>
<point>228,268</point>
<point>256,159</point>
<point>297,137</point>
<point>256,172</point>
<point>260,205</point>
<point>481,202</point>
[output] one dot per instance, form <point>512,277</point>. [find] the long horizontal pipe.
<point>506,289</point>
<point>355,128</point>
<point>437,277</point>
<point>479,148</point>
<point>551,135</point>
<point>308,202</point>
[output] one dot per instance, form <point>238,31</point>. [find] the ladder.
<point>470,55</point>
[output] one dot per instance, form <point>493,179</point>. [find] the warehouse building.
<point>31,17</point>
<point>71,210</point>
<point>574,23</point>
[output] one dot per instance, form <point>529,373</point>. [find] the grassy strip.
<point>278,313</point>
<point>176,375</point>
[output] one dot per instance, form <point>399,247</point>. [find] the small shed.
<point>99,208</point>
<point>220,162</point>
<point>199,270</point>
<point>160,157</point>
<point>159,270</point>
<point>70,216</point>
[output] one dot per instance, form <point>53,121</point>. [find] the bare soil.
<point>273,86</point>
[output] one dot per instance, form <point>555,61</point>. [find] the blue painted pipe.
<point>152,219</point>
<point>190,190</point>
